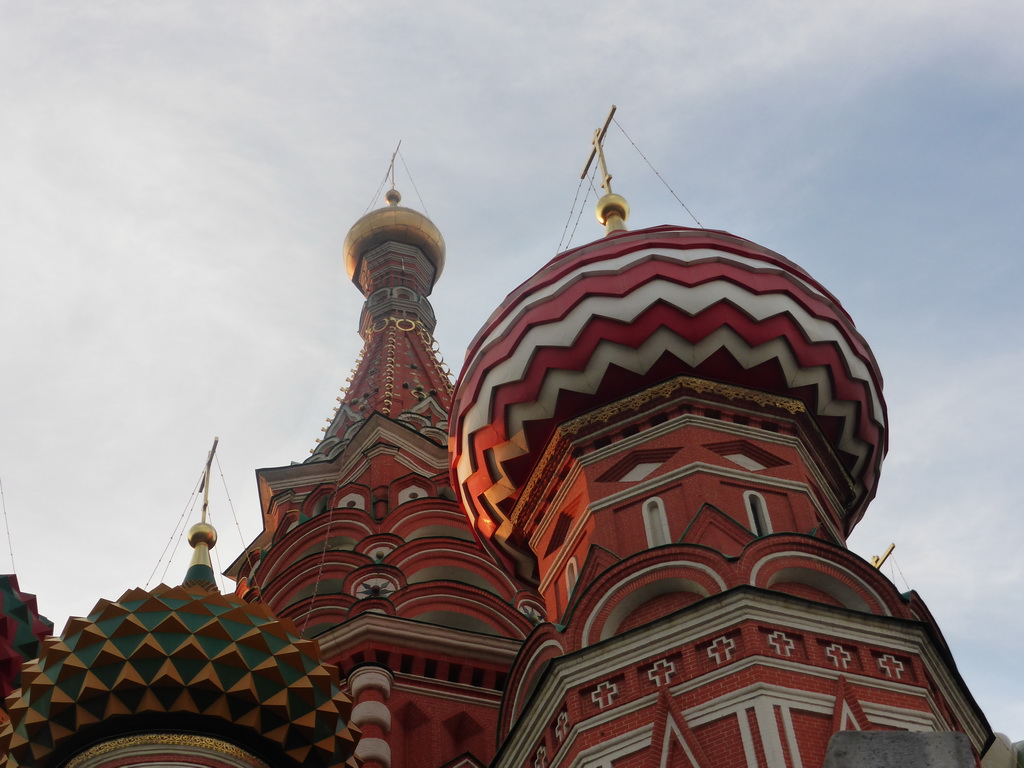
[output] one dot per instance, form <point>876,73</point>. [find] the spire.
<point>202,537</point>
<point>394,256</point>
<point>612,210</point>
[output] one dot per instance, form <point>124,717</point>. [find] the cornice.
<point>415,635</point>
<point>418,453</point>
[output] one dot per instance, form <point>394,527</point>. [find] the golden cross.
<point>598,150</point>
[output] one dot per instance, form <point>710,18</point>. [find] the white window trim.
<point>572,575</point>
<point>656,523</point>
<point>760,524</point>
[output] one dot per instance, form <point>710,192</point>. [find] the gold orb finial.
<point>202,533</point>
<point>393,197</point>
<point>612,211</point>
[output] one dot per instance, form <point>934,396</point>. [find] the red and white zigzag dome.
<point>636,308</point>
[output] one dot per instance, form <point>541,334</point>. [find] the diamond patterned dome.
<point>21,630</point>
<point>195,660</point>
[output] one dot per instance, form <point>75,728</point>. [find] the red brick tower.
<point>364,545</point>
<point>671,432</point>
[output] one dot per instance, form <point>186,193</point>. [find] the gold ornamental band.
<point>167,739</point>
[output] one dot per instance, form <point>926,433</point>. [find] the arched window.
<point>656,523</point>
<point>321,506</point>
<point>571,574</point>
<point>757,511</point>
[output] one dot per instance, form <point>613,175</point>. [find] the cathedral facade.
<point>617,541</point>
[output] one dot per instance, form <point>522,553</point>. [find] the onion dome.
<point>637,308</point>
<point>21,631</point>
<point>393,223</point>
<point>180,659</point>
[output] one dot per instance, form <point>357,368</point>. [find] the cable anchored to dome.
<point>572,210</point>
<point>388,174</point>
<point>7,525</point>
<point>651,166</point>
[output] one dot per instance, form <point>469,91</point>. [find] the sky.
<point>176,181</point>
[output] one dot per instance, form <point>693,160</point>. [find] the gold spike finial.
<point>612,210</point>
<point>202,537</point>
<point>393,196</point>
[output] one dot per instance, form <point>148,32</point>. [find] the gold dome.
<point>402,225</point>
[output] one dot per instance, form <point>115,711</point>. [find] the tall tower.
<point>364,545</point>
<point>671,432</point>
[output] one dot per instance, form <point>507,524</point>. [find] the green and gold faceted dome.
<point>182,659</point>
<point>22,629</point>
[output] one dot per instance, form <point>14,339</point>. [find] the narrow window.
<point>656,523</point>
<point>757,511</point>
<point>571,574</point>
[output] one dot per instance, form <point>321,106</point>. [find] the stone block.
<point>899,749</point>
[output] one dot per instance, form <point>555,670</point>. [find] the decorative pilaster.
<point>370,687</point>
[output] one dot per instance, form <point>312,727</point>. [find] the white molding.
<point>372,678</point>
<point>747,739</point>
<point>372,713</point>
<point>762,698</point>
<point>832,564</point>
<point>700,620</point>
<point>421,491</point>
<point>651,486</point>
<point>418,636</point>
<point>521,689</point>
<point>655,519</point>
<point>755,521</point>
<point>604,754</point>
<point>910,719</point>
<point>791,741</point>
<point>374,749</point>
<point>764,711</point>
<point>427,687</point>
<point>672,727</point>
<point>613,590</point>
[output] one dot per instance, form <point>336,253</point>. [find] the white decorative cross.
<point>661,672</point>
<point>604,694</point>
<point>839,655</point>
<point>781,644</point>
<point>541,759</point>
<point>892,666</point>
<point>722,646</point>
<point>562,725</point>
